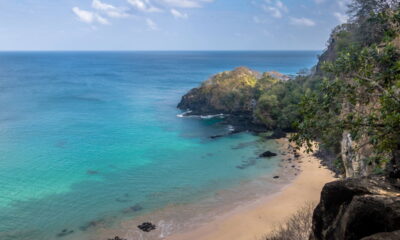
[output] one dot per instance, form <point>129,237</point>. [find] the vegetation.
<point>360,90</point>
<point>277,104</point>
<point>269,98</point>
<point>231,91</point>
<point>354,90</point>
<point>297,227</point>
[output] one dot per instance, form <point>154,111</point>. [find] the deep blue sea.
<point>88,135</point>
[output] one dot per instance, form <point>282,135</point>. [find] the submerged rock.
<point>117,238</point>
<point>217,136</point>
<point>65,232</point>
<point>92,172</point>
<point>134,208</point>
<point>268,154</point>
<point>147,227</point>
<point>92,224</point>
<point>366,208</point>
<point>247,163</point>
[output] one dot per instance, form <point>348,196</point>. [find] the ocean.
<point>92,139</point>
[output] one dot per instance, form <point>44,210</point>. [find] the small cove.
<point>88,139</point>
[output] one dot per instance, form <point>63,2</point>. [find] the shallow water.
<point>86,136</point>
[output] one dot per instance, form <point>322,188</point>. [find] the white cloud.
<point>101,9</point>
<point>186,3</point>
<point>319,1</point>
<point>178,14</point>
<point>97,4</point>
<point>109,9</point>
<point>342,18</point>
<point>151,24</point>
<point>89,17</point>
<point>302,22</point>
<point>275,8</point>
<point>144,6</point>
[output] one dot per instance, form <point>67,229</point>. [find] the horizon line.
<point>243,50</point>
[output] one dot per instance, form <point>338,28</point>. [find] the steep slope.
<point>248,97</point>
<point>227,92</point>
<point>355,111</point>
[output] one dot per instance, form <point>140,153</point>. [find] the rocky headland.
<point>235,95</point>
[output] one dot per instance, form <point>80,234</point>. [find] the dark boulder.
<point>353,209</point>
<point>277,134</point>
<point>147,227</point>
<point>268,154</point>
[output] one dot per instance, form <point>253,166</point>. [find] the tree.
<point>361,94</point>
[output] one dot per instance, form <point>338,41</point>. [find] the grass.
<point>297,227</point>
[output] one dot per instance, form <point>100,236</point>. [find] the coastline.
<point>245,212</point>
<point>258,218</point>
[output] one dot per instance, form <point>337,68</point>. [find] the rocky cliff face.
<point>355,156</point>
<point>366,208</point>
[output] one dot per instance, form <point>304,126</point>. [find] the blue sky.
<point>168,24</point>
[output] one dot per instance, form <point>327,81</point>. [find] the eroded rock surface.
<point>365,208</point>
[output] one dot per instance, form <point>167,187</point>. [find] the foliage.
<point>272,101</point>
<point>277,105</point>
<point>361,91</point>
<point>231,91</point>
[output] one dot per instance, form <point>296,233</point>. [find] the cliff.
<point>355,112</point>
<point>228,92</point>
<point>250,99</point>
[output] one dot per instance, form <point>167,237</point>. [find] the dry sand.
<point>253,221</point>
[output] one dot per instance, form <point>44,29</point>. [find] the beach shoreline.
<point>246,212</point>
<point>256,219</point>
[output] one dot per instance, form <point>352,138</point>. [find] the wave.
<point>184,114</point>
<point>211,116</point>
<point>221,115</point>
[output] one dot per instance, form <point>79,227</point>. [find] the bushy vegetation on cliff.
<point>353,93</point>
<point>269,98</point>
<point>360,90</point>
<point>277,103</point>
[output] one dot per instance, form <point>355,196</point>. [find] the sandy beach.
<point>253,221</point>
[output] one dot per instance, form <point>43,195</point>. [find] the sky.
<point>168,24</point>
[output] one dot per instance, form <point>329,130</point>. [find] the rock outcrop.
<point>227,92</point>
<point>365,208</point>
<point>236,95</point>
<point>355,156</point>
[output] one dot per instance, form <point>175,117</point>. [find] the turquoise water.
<point>85,135</point>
